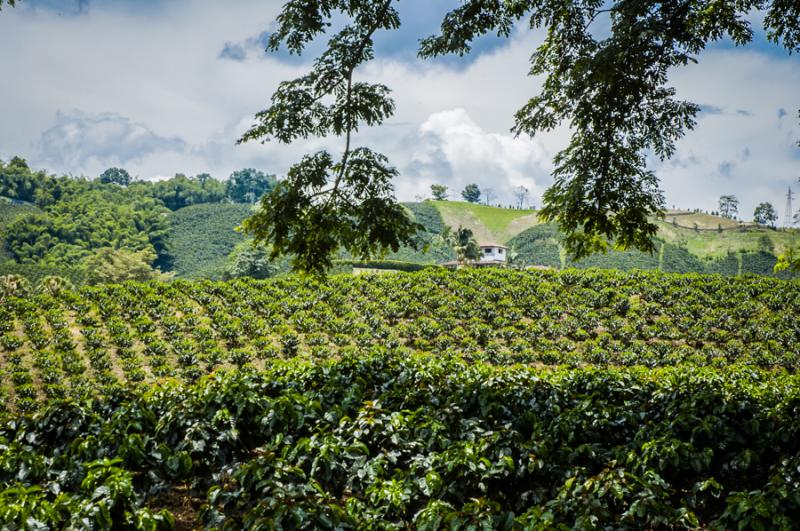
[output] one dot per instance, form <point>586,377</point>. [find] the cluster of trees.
<point>19,182</point>
<point>764,213</point>
<point>473,194</point>
<point>112,223</point>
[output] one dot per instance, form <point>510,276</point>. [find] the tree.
<point>605,69</point>
<point>118,176</point>
<point>113,266</point>
<point>471,193</point>
<point>728,206</point>
<point>54,285</point>
<point>488,195</point>
<point>248,260</point>
<point>326,204</point>
<point>463,243</point>
<point>249,185</point>
<point>9,2</point>
<point>439,192</point>
<point>520,193</point>
<point>181,191</point>
<point>765,214</point>
<point>17,181</point>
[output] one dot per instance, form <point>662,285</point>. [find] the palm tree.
<point>462,240</point>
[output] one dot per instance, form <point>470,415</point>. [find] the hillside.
<point>488,224</point>
<point>687,241</point>
<point>494,398</point>
<point>201,237</point>
<point>9,211</point>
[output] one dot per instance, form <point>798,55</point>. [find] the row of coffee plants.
<point>66,343</point>
<point>397,440</point>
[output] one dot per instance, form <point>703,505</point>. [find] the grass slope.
<point>489,224</point>
<point>202,236</point>
<point>716,244</point>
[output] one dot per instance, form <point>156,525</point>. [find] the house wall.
<point>494,254</point>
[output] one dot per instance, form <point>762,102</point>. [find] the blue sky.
<point>164,87</point>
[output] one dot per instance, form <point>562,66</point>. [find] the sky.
<point>163,87</point>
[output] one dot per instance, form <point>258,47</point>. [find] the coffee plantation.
<point>474,399</point>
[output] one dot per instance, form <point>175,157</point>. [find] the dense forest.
<point>62,224</point>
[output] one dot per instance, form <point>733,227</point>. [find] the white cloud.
<point>752,154</point>
<point>155,73</point>
<point>454,150</point>
<point>97,141</point>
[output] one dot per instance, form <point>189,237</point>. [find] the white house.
<point>492,253</point>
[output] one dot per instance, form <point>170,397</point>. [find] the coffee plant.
<point>433,400</point>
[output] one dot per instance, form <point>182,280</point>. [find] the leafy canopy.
<point>326,202</point>
<point>765,214</point>
<point>471,193</point>
<point>607,81</point>
<point>439,192</point>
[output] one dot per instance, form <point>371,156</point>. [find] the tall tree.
<point>118,176</point>
<point>463,243</point>
<point>325,204</point>
<point>728,206</point>
<point>249,185</point>
<point>605,67</point>
<point>439,192</point>
<point>765,214</point>
<point>520,194</point>
<point>471,193</point>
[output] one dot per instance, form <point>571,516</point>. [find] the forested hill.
<point>115,228</point>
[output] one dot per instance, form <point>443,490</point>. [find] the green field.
<point>489,224</point>
<point>434,400</point>
<point>202,236</point>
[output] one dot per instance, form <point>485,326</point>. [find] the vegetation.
<point>188,222</point>
<point>479,397</point>
<point>248,185</point>
<point>489,224</point>
<point>765,214</point>
<point>137,332</point>
<point>605,71</point>
<point>463,244</point>
<point>201,237</point>
<point>439,192</point>
<point>9,211</point>
<point>325,204</point>
<point>728,206</point>
<point>471,193</point>
<point>254,261</point>
<point>113,266</point>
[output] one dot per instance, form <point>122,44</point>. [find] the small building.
<point>492,253</point>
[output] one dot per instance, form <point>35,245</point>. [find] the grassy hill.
<point>489,224</point>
